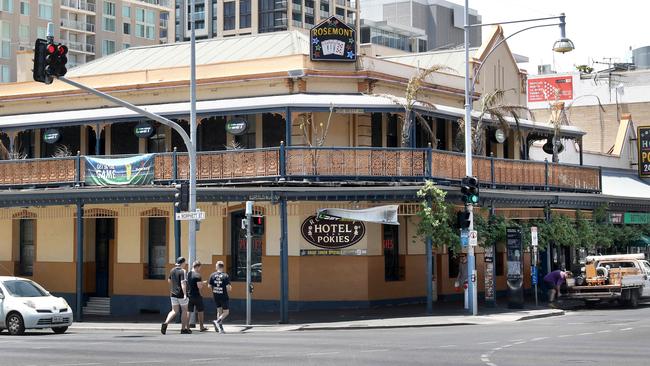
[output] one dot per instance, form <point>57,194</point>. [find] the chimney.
<point>24,65</point>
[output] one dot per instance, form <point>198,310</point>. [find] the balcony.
<point>78,25</point>
<point>162,3</point>
<point>80,46</point>
<point>79,5</point>
<point>324,164</point>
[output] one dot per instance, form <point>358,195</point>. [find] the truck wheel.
<point>634,299</point>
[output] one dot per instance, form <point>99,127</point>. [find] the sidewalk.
<point>445,314</point>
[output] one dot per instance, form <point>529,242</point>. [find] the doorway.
<point>104,235</point>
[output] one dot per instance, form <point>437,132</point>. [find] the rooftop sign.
<point>643,137</point>
<point>332,40</point>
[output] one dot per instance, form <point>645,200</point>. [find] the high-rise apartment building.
<point>430,24</point>
<point>90,28</point>
<point>227,18</point>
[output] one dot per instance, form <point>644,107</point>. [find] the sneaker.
<point>186,331</point>
<point>216,326</point>
<point>221,329</point>
<point>163,328</point>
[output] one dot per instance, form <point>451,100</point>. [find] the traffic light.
<point>49,61</point>
<point>41,48</point>
<point>182,196</point>
<point>470,189</point>
<point>257,225</point>
<point>462,218</point>
<point>61,60</point>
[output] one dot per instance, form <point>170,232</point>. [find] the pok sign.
<point>554,88</point>
<point>333,40</point>
<point>643,138</point>
<point>332,234</point>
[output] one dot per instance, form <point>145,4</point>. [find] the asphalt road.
<point>608,336</point>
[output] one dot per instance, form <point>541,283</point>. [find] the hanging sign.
<point>143,130</point>
<point>643,138</point>
<point>135,170</point>
<point>51,136</point>
<point>237,126</point>
<point>332,234</point>
<point>332,40</point>
<point>550,88</point>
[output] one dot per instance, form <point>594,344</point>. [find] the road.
<point>609,336</point>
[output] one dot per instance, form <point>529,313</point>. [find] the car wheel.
<point>15,324</point>
<point>634,299</point>
<point>60,330</point>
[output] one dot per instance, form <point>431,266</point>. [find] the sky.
<point>600,29</point>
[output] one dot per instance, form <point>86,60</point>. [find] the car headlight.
<point>65,303</point>
<point>30,303</point>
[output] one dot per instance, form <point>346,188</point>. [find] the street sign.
<point>189,215</point>
<point>533,274</point>
<point>533,235</point>
<point>473,238</point>
<point>464,238</point>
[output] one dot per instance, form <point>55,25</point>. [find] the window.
<point>108,19</point>
<point>123,140</point>
<point>126,28</point>
<point>26,246</point>
<point>4,74</point>
<point>157,247</point>
<point>23,32</point>
<point>41,32</point>
<point>238,250</point>
<point>108,47</point>
<point>390,244</point>
<point>126,45</point>
<point>273,129</point>
<point>199,16</point>
<point>393,133</point>
<point>24,8</point>
<point>376,133</point>
<point>45,9</point>
<point>229,15</point>
<point>244,13</point>
<point>145,25</point>
<point>156,143</point>
<point>126,12</point>
<point>7,5</point>
<point>212,134</point>
<point>247,140</point>
<point>215,6</point>
<point>5,39</point>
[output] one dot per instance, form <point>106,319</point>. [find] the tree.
<point>493,106</point>
<point>436,218</point>
<point>411,98</point>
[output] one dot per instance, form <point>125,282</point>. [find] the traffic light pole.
<point>471,268</point>
<point>191,150</point>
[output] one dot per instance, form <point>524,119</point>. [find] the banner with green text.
<point>135,170</point>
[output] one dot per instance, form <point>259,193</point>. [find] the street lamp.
<point>562,45</point>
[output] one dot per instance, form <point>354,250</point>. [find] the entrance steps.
<point>98,306</point>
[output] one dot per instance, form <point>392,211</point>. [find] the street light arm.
<point>478,25</point>
<point>497,46</point>
<point>155,117</point>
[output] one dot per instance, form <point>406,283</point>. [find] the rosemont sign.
<point>332,234</point>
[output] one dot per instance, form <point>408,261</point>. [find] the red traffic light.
<point>62,50</point>
<point>50,48</point>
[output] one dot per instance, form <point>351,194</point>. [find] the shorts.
<point>196,302</point>
<point>222,302</point>
<point>179,301</point>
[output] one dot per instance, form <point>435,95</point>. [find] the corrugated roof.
<point>624,183</point>
<point>209,51</point>
<point>453,59</point>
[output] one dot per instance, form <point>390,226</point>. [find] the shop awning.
<point>624,183</point>
<point>342,103</point>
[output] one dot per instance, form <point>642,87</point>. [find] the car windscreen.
<point>21,288</point>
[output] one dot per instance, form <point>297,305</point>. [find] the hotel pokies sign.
<point>643,137</point>
<point>333,40</point>
<point>332,234</point>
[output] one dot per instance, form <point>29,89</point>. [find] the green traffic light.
<point>472,198</point>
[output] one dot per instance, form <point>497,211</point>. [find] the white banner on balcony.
<point>381,214</point>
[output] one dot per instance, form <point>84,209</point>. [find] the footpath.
<point>445,314</point>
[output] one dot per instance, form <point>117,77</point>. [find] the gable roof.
<point>453,59</point>
<point>209,51</point>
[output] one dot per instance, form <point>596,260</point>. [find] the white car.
<point>26,305</point>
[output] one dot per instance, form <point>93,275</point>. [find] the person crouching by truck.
<point>554,281</point>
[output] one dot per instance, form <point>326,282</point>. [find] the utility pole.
<point>249,240</point>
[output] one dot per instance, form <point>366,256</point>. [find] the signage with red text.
<point>551,89</point>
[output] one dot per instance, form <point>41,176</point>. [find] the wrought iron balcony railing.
<point>323,164</point>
